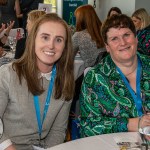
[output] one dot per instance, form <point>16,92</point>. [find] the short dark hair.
<point>117,21</point>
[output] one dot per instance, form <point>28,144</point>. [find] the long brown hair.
<point>86,18</point>
<point>26,66</point>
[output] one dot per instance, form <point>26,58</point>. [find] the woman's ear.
<point>107,47</point>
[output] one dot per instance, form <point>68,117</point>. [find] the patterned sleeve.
<point>75,43</point>
<point>144,42</point>
<point>96,115</point>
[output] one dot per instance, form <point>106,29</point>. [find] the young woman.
<point>36,90</point>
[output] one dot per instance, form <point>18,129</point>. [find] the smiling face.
<point>49,44</point>
<point>121,44</point>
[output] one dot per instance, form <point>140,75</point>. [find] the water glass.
<point>12,43</point>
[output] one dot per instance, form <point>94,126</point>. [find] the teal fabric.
<point>144,40</point>
<point>105,102</point>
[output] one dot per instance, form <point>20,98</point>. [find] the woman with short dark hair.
<point>116,92</point>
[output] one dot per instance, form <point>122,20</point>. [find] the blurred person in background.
<point>87,39</point>
<point>114,11</point>
<point>5,29</point>
<point>141,21</point>
<point>88,43</point>
<point>32,18</point>
<point>9,12</point>
<point>4,36</point>
<point>26,7</point>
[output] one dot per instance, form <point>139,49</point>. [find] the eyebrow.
<point>56,35</point>
<point>116,35</point>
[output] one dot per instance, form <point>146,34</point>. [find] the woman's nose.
<point>122,41</point>
<point>51,44</point>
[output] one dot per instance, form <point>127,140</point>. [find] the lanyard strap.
<point>137,96</point>
<point>47,102</point>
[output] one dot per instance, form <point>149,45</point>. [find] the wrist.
<point>133,124</point>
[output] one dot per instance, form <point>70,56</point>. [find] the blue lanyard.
<point>137,96</point>
<point>47,102</point>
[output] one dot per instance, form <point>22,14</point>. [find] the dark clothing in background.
<point>143,36</point>
<point>20,48</point>
<point>26,7</point>
<point>7,13</point>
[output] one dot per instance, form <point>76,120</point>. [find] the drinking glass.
<point>12,43</point>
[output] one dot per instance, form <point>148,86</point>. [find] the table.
<point>100,142</point>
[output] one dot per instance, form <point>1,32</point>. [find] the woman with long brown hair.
<point>87,38</point>
<point>36,90</point>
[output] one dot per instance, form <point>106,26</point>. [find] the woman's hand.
<point>135,123</point>
<point>144,127</point>
<point>144,121</point>
<point>7,30</point>
<point>9,27</point>
<point>3,27</point>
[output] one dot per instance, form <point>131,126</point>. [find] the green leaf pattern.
<point>105,101</point>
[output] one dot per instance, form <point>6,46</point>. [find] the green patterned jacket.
<point>105,102</point>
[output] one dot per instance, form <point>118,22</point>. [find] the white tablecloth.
<point>100,142</point>
<point>78,66</point>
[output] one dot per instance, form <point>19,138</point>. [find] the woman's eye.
<point>45,37</point>
<point>59,40</point>
<point>114,39</point>
<point>126,35</point>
